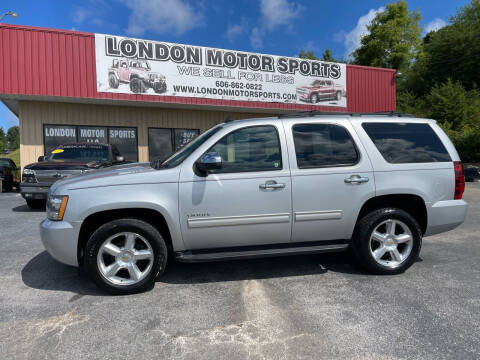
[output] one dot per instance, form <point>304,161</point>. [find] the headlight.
<point>28,176</point>
<point>28,172</point>
<point>56,205</point>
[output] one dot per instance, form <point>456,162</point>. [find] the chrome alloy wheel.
<point>125,258</point>
<point>391,243</point>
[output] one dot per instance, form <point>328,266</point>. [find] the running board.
<point>203,256</point>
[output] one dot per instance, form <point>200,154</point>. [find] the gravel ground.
<point>303,307</point>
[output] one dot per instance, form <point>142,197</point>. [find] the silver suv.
<point>293,184</point>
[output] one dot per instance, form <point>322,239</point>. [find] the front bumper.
<point>60,239</point>
<point>445,216</point>
<point>34,190</point>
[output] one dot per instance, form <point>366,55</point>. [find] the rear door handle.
<point>271,184</point>
<point>356,179</point>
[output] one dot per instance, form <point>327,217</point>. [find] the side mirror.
<point>120,159</point>
<point>209,161</point>
<point>41,158</point>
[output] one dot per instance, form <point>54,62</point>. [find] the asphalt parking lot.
<point>304,307</point>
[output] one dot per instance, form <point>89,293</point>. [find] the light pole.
<point>11,13</point>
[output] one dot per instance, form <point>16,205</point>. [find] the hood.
<point>127,174</point>
<point>57,165</point>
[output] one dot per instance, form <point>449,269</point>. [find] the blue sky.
<point>281,27</point>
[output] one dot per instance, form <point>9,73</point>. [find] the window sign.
<point>184,136</point>
<point>55,135</point>
<point>92,134</point>
<point>126,141</point>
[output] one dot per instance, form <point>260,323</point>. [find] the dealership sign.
<point>133,66</point>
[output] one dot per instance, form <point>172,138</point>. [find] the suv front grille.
<point>50,176</point>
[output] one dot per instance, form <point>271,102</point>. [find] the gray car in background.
<point>293,184</point>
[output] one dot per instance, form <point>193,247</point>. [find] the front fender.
<point>162,198</point>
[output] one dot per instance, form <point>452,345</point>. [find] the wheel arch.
<point>412,204</point>
<point>97,219</point>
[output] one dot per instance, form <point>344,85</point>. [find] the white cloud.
<point>234,30</point>
<point>256,38</point>
<point>274,14</point>
<point>80,14</point>
<point>434,25</point>
<point>162,16</point>
<point>352,39</point>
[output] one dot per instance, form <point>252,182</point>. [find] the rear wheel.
<point>387,241</point>
<point>125,256</point>
<point>338,95</point>
<point>36,204</point>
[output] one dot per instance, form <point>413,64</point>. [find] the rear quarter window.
<point>401,143</point>
<point>323,145</point>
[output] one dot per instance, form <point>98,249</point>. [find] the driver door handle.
<point>271,184</point>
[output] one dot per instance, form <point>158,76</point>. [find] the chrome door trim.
<point>318,215</point>
<point>238,220</point>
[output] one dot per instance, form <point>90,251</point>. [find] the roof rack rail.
<point>335,113</point>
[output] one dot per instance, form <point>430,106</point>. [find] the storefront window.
<point>160,144</point>
<point>126,141</point>
<point>55,135</point>
<point>184,136</point>
<point>124,138</point>
<point>163,142</point>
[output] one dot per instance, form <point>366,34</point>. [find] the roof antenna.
<point>227,119</point>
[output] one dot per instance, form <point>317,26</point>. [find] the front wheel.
<point>314,98</point>
<point>137,86</point>
<point>387,241</point>
<point>125,256</point>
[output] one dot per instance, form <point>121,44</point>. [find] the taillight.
<point>459,180</point>
<point>4,170</point>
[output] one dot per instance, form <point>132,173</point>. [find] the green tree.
<point>394,38</point>
<point>307,55</point>
<point>327,56</point>
<point>13,138</point>
<point>457,110</point>
<point>453,51</point>
<point>2,139</point>
<point>451,103</point>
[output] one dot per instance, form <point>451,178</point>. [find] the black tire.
<point>137,86</point>
<point>364,229</point>
<point>113,81</point>
<point>314,98</point>
<point>36,204</point>
<point>149,233</point>
<point>338,95</point>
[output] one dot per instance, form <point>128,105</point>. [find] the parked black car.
<point>66,160</point>
<point>472,173</point>
<point>9,174</point>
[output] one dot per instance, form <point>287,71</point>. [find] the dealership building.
<point>151,97</point>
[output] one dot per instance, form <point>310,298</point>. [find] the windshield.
<point>79,154</point>
<point>4,162</point>
<point>178,157</point>
<point>139,64</point>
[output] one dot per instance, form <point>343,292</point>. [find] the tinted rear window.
<point>407,143</point>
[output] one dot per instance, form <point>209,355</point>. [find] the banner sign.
<point>133,66</point>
